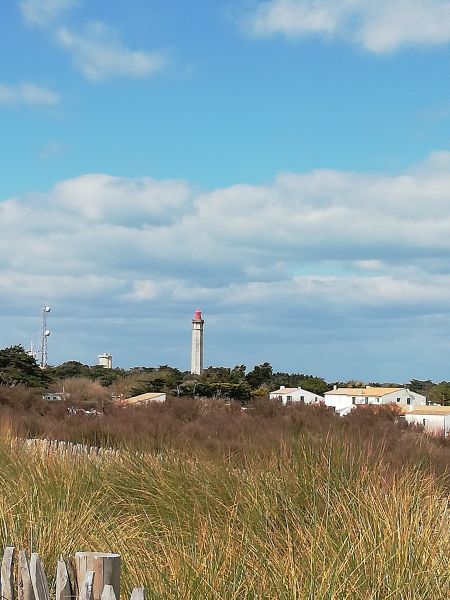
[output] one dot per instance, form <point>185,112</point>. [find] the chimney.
<point>282,387</point>
<point>335,386</point>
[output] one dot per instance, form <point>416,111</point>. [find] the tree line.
<point>17,367</point>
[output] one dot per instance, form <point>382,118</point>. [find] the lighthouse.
<point>197,343</point>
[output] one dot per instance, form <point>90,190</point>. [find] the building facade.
<point>343,400</point>
<point>434,419</point>
<point>288,395</point>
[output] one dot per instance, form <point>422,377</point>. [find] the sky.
<point>284,165</point>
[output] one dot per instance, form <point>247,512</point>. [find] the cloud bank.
<point>324,254</point>
<point>381,26</point>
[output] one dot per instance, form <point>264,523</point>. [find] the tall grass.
<point>312,516</point>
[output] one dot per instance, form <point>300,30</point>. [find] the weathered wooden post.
<point>38,578</point>
<point>63,587</point>
<point>7,575</point>
<point>24,586</point>
<point>106,569</point>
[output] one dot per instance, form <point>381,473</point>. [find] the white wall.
<point>338,401</point>
<point>298,395</point>
<point>438,424</point>
<point>341,402</point>
<point>404,394</point>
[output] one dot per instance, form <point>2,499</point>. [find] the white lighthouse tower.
<point>197,343</point>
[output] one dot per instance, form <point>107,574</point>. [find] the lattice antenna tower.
<point>44,336</point>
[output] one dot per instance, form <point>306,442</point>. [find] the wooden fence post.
<point>106,568</point>
<point>24,586</point>
<point>138,593</point>
<point>38,578</point>
<point>63,587</point>
<point>87,587</point>
<point>7,575</point>
<point>108,593</point>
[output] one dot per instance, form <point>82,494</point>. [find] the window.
<point>289,398</point>
<point>408,400</point>
<point>424,422</point>
<point>353,400</point>
<point>378,399</point>
<point>398,399</point>
<point>302,398</point>
<point>367,399</point>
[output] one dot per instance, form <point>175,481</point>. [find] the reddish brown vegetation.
<point>223,428</point>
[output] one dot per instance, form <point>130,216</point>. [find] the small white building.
<point>434,419</point>
<point>55,396</point>
<point>288,395</point>
<point>343,400</point>
<point>144,399</point>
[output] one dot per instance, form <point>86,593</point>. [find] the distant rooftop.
<point>365,391</point>
<point>431,410</point>
<point>285,390</point>
<point>142,398</point>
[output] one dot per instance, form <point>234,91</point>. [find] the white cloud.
<point>28,94</point>
<point>358,220</point>
<point>103,198</point>
<point>370,265</point>
<point>96,49</point>
<point>108,246</point>
<point>379,26</point>
<point>98,54</point>
<point>45,12</point>
<point>58,286</point>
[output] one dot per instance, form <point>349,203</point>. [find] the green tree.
<point>17,366</point>
<point>71,368</point>
<point>261,374</point>
<point>224,374</point>
<point>421,386</point>
<point>160,379</point>
<point>224,390</point>
<point>440,393</point>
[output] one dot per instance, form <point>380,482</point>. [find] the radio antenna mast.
<point>44,337</point>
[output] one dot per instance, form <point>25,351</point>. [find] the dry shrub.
<point>220,428</point>
<point>83,390</point>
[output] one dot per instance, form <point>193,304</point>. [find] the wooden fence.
<point>90,576</point>
<point>66,448</point>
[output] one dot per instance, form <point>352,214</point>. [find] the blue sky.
<point>284,165</point>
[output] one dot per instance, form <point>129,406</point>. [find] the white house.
<point>343,400</point>
<point>435,419</point>
<point>288,395</point>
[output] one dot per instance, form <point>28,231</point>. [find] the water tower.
<point>105,360</point>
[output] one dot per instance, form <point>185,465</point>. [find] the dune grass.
<point>320,517</point>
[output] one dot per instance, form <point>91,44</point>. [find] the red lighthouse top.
<point>198,315</point>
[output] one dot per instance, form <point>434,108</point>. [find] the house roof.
<point>143,398</point>
<point>285,390</point>
<point>431,410</point>
<point>365,391</point>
